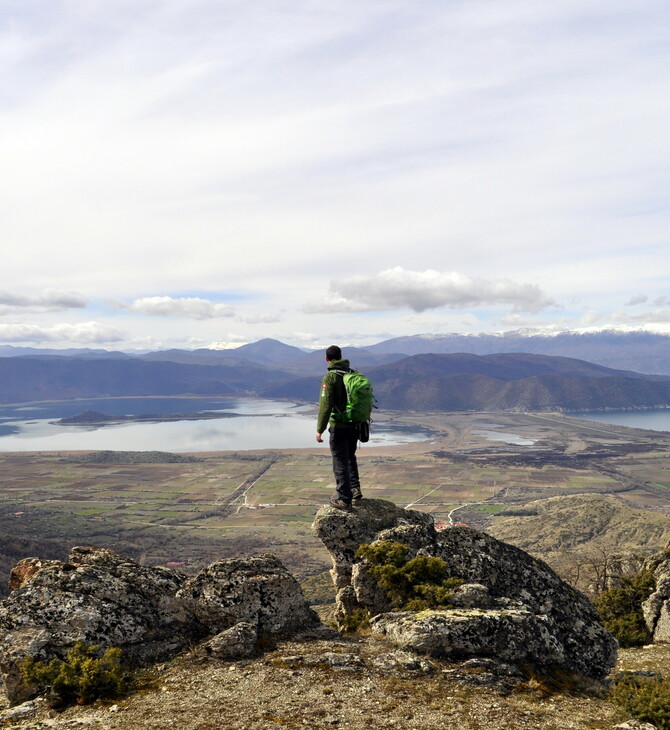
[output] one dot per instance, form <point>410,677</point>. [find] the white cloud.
<point>399,288</point>
<point>49,301</point>
<point>189,307</point>
<point>83,333</point>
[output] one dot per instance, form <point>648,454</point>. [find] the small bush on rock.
<point>646,699</point>
<point>411,585</point>
<point>85,675</point>
<point>358,621</point>
<point>621,609</point>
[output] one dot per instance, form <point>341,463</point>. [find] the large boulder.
<point>511,605</point>
<point>656,609</point>
<point>257,590</point>
<point>150,613</point>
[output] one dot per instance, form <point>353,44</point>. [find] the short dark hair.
<point>333,353</point>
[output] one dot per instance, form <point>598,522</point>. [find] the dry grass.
<point>268,692</point>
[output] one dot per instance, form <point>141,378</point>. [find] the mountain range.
<point>268,368</point>
<point>639,351</point>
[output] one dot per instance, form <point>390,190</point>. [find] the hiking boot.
<point>356,494</point>
<point>339,504</point>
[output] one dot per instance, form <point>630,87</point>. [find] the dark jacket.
<point>333,397</point>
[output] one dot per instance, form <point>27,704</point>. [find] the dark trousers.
<point>343,443</point>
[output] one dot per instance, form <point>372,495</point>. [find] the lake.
<point>654,419</point>
<point>255,424</point>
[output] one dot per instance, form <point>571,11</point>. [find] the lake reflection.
<point>261,424</point>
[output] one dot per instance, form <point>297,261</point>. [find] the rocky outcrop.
<point>257,590</point>
<point>342,532</point>
<point>511,606</point>
<point>656,609</point>
<point>102,598</point>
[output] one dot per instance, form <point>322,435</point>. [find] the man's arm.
<point>325,405</point>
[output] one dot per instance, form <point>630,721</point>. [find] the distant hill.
<point>644,352</point>
<point>499,382</point>
<point>458,382</point>
<point>201,356</point>
<point>85,352</point>
<point>25,379</point>
<point>588,538</point>
<point>561,524</point>
<point>268,352</point>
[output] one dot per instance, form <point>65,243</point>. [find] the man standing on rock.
<point>343,436</point>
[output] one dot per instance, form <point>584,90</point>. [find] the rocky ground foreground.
<point>226,662</point>
<point>358,683</point>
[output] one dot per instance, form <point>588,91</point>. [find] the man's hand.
<point>318,438</point>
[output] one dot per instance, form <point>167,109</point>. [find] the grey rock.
<point>98,597</point>
<point>257,590</point>
<point>635,725</point>
<point>103,598</point>
<point>20,712</point>
<point>512,606</point>
<point>511,636</point>
<point>403,661</point>
<point>471,595</point>
<point>237,642</point>
<point>656,609</point>
<point>342,532</point>
<point>365,592</point>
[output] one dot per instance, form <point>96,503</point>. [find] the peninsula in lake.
<point>95,418</point>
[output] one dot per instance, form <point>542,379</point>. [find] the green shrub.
<point>357,621</point>
<point>411,585</point>
<point>621,609</point>
<point>647,700</point>
<point>84,675</point>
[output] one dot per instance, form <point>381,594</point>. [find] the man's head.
<point>333,353</point>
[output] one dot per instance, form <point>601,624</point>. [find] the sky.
<point>205,173</point>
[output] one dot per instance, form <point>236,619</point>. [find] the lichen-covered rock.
<point>514,635</point>
<point>656,609</point>
<point>342,532</point>
<point>258,590</point>
<point>103,598</point>
<point>471,595</point>
<point>237,642</point>
<point>513,606</point>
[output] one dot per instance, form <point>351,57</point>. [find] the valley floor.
<point>552,484</point>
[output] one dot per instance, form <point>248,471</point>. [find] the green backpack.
<point>360,399</point>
